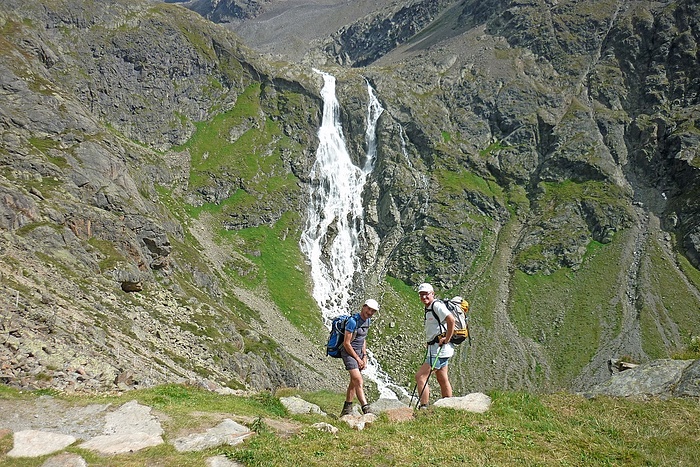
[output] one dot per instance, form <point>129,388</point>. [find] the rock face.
<point>539,159</point>
<point>659,379</point>
<point>86,111</point>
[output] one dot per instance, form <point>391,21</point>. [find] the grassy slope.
<point>519,429</point>
<point>273,264</point>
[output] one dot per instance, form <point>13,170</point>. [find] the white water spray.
<point>419,178</point>
<point>374,111</point>
<point>333,234</point>
<point>334,219</point>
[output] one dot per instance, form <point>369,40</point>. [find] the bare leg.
<point>421,379</point>
<point>444,381</point>
<point>356,387</point>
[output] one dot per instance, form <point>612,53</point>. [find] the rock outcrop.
<point>660,379</point>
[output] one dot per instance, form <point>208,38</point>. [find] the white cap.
<point>425,287</point>
<point>372,303</point>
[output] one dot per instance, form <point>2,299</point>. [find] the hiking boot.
<point>423,407</point>
<point>347,409</point>
<point>365,409</point>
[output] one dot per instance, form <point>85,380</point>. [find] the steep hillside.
<point>111,270</point>
<point>539,159</point>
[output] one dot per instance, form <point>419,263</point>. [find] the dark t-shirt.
<point>359,328</point>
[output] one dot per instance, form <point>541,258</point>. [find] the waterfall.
<point>334,223</point>
<point>333,235</point>
<point>419,178</point>
<point>374,111</point>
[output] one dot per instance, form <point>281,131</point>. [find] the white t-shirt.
<point>432,328</point>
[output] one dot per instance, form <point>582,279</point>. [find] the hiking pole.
<point>415,386</point>
<point>432,368</point>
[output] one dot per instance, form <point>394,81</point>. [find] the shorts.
<point>350,362</point>
<point>441,362</point>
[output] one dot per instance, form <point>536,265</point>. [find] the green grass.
<point>493,147</point>
<point>673,310</point>
<point>275,250</point>
<point>519,429</point>
<point>455,182</point>
<point>253,153</point>
<point>563,311</point>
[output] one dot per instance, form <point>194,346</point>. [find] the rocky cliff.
<point>539,158</point>
<point>106,278</point>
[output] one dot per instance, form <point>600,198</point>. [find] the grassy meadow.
<point>519,429</point>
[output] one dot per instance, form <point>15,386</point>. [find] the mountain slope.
<point>106,277</point>
<point>539,159</point>
<point>535,97</point>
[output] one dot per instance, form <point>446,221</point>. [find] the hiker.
<point>437,335</point>
<point>354,354</point>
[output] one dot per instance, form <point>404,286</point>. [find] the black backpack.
<point>459,308</point>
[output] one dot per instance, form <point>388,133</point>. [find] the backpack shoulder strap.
<point>431,309</point>
<point>354,332</point>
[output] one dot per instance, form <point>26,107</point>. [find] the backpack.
<point>336,336</point>
<point>459,308</point>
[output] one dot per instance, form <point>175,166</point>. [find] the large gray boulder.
<point>661,378</point>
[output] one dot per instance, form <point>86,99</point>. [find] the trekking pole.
<point>415,386</point>
<point>432,368</point>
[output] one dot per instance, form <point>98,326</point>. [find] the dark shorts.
<point>350,362</point>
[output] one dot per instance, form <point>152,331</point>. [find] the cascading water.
<point>374,111</point>
<point>333,234</point>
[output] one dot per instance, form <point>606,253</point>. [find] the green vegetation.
<point>671,309</point>
<point>455,182</point>
<point>275,250</point>
<point>241,142</point>
<point>110,256</point>
<point>691,351</point>
<point>493,147</point>
<point>519,429</point>
<point>564,311</point>
<point>590,190</point>
<point>562,227</point>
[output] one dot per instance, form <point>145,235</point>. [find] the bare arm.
<point>450,321</point>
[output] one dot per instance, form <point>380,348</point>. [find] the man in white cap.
<point>439,327</point>
<point>354,354</point>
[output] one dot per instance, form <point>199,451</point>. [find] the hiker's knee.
<point>356,377</point>
<point>442,375</point>
<point>423,372</point>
